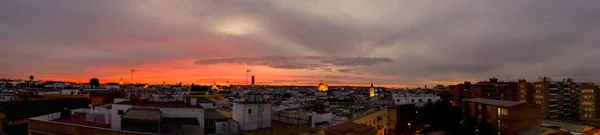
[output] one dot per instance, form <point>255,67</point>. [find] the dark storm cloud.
<point>301,62</point>
<point>429,41</point>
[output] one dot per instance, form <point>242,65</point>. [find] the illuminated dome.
<point>322,86</point>
<point>214,86</point>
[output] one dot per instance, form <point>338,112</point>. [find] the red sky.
<point>343,42</point>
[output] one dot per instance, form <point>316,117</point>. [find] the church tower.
<point>372,90</point>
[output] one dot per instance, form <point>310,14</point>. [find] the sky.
<point>396,43</point>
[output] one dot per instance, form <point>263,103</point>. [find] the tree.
<point>94,82</point>
<point>31,77</point>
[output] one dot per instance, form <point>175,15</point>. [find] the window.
<point>249,111</point>
<point>412,100</point>
<point>420,100</point>
<point>120,112</point>
<point>397,100</point>
<point>428,100</point>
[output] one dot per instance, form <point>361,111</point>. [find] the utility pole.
<point>133,70</point>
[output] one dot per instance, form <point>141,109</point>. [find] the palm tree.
<point>30,81</point>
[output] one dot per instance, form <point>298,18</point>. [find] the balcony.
<point>553,105</point>
<point>553,110</point>
<point>567,93</point>
<point>553,88</point>
<point>554,99</point>
<point>553,94</point>
<point>567,99</point>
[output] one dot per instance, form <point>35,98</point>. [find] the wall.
<point>371,119</point>
<point>39,127</point>
<point>522,117</point>
<point>254,119</point>
<point>290,130</point>
<point>2,116</point>
<point>115,118</point>
<point>317,118</point>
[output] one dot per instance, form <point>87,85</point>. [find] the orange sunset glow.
<point>288,42</point>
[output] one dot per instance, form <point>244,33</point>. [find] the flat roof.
<point>149,114</point>
<point>79,119</point>
<point>159,104</point>
<point>494,102</point>
<point>350,127</point>
<point>212,113</point>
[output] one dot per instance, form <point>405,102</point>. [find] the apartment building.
<point>525,92</point>
<point>557,98</point>
<point>508,117</point>
<point>590,95</point>
<point>490,89</point>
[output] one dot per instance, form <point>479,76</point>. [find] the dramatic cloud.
<point>301,62</point>
<point>392,42</point>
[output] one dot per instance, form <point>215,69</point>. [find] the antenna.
<point>133,70</point>
<point>543,75</point>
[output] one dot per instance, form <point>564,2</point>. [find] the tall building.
<point>557,98</point>
<point>491,89</point>
<point>460,92</point>
<point>590,95</point>
<point>372,90</point>
<point>252,81</point>
<point>525,91</point>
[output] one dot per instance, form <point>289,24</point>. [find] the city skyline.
<point>388,42</point>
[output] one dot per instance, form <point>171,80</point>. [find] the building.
<point>508,117</point>
<point>377,118</point>
<point>418,99</point>
<point>252,113</point>
<point>135,117</point>
<point>371,90</point>
<point>112,86</point>
<point>490,89</point>
<point>322,86</point>
<point>525,92</point>
<point>350,128</point>
<point>406,118</point>
<point>557,98</point>
<point>252,81</point>
<point>590,97</point>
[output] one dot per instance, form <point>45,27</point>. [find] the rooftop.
<point>212,113</point>
<point>148,114</point>
<point>160,104</point>
<point>80,119</point>
<point>494,102</point>
<point>350,127</point>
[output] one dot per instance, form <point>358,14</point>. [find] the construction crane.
<point>133,70</point>
<point>247,71</point>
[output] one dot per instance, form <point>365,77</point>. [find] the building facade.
<point>253,113</point>
<point>557,98</point>
<point>590,95</point>
<point>508,117</point>
<point>490,89</point>
<point>525,92</point>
